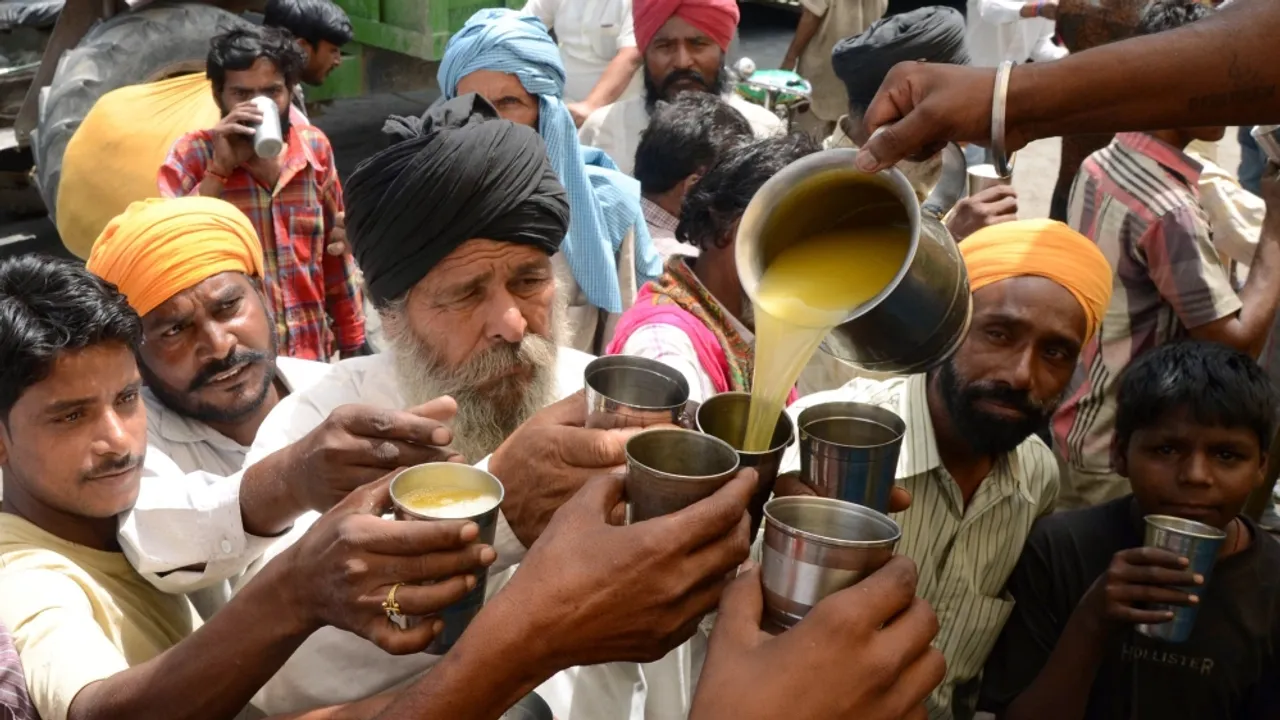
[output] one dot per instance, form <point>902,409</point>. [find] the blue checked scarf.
<point>604,204</point>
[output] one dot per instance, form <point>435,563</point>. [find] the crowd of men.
<point>198,426</point>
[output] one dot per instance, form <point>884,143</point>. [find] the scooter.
<point>782,92</point>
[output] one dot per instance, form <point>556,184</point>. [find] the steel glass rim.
<point>783,417</point>
<point>1182,526</point>
<point>831,504</point>
<point>620,362</point>
<point>649,435</point>
<point>459,467</point>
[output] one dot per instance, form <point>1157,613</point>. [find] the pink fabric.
<point>717,18</point>
<point>711,356</point>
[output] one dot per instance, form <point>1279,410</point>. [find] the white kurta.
<point>616,128</point>
<point>590,33</point>
<point>334,666</point>
<point>998,32</point>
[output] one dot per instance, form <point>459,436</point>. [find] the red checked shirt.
<point>315,297</point>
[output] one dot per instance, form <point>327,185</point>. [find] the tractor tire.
<point>153,43</point>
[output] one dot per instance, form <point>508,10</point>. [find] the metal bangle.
<point>999,105</point>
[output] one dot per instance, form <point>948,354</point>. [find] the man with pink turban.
<point>684,43</point>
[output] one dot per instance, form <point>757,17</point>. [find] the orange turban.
<point>1044,248</point>
<point>157,248</point>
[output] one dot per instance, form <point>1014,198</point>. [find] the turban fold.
<point>717,18</point>
<point>1043,248</point>
<point>458,172</point>
<point>157,248</point>
<point>932,34</point>
<point>604,204</point>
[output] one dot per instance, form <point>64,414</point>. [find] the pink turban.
<point>717,18</point>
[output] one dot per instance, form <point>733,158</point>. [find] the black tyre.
<point>153,43</point>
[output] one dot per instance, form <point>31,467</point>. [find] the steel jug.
<point>921,316</point>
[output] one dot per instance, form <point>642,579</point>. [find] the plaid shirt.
<point>1138,200</point>
<point>314,296</point>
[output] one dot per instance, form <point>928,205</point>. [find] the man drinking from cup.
<point>978,475</point>
<point>293,200</point>
<point>1193,424</point>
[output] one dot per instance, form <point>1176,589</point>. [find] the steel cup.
<point>1268,139</point>
<point>629,391</point>
<point>814,547</point>
<point>725,416</point>
<point>849,451</point>
<point>458,616</point>
<point>669,469</point>
<point>268,140</point>
<point>985,176</point>
<point>1195,541</point>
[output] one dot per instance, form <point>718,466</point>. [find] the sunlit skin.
<point>73,444</point>
<point>1181,467</point>
<point>190,337</point>
<point>1026,335</point>
<point>504,92</point>
<point>679,46</point>
<point>484,293</point>
<point>322,59</point>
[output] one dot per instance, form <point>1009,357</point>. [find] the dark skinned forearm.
<point>615,78</point>
<point>267,506</point>
<point>499,660</point>
<point>1061,690</point>
<point>805,30</point>
<point>1218,71</point>
<point>213,674</point>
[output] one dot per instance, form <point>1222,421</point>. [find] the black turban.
<point>933,34</point>
<point>459,172</point>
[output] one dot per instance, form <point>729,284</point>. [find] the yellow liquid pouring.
<point>805,292</point>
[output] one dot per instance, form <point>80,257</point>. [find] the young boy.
<point>1192,426</point>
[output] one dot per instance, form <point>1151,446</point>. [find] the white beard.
<point>486,416</point>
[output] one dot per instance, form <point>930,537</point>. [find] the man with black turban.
<point>931,34</point>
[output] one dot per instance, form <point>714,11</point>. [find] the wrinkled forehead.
<point>480,261</point>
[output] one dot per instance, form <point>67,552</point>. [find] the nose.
<point>683,58</point>
<point>216,342</point>
<point>1021,370</point>
<point>1196,469</point>
<point>113,436</point>
<point>506,321</point>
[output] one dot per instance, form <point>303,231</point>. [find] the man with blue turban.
<point>511,60</point>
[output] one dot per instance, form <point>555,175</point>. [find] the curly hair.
<point>239,48</point>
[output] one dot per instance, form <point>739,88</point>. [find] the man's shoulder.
<point>1086,526</point>
<point>195,143</point>
<point>763,122</point>
<point>315,138</point>
<point>1139,181</point>
<point>604,121</point>
<point>300,375</point>
<point>571,365</point>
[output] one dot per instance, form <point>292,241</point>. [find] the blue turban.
<point>604,204</point>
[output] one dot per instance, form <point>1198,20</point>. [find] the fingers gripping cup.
<point>268,140</point>
<point>725,416</point>
<point>669,469</point>
<point>451,491</point>
<point>814,547</point>
<point>1195,541</point>
<point>850,451</point>
<point>627,391</point>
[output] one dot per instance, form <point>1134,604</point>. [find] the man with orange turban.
<point>978,473</point>
<point>192,267</point>
<point>684,43</point>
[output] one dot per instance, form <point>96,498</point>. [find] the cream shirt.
<point>616,128</point>
<point>79,615</point>
<point>590,33</point>
<point>964,553</point>
<point>840,19</point>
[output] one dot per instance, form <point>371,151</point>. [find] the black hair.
<point>720,197</point>
<point>1166,15</point>
<point>1219,386</point>
<point>310,20</point>
<point>685,136</point>
<point>49,306</point>
<point>239,48</point>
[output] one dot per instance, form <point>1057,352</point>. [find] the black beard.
<point>987,434</point>
<point>179,402</point>
<point>653,92</point>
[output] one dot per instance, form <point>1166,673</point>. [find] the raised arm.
<point>1219,71</point>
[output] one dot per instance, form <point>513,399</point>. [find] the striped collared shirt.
<point>662,228</point>
<point>1138,200</point>
<point>15,704</point>
<point>965,554</point>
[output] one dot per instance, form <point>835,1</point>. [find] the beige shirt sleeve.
<point>1235,214</point>
<point>62,646</point>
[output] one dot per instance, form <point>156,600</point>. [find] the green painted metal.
<point>418,28</point>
